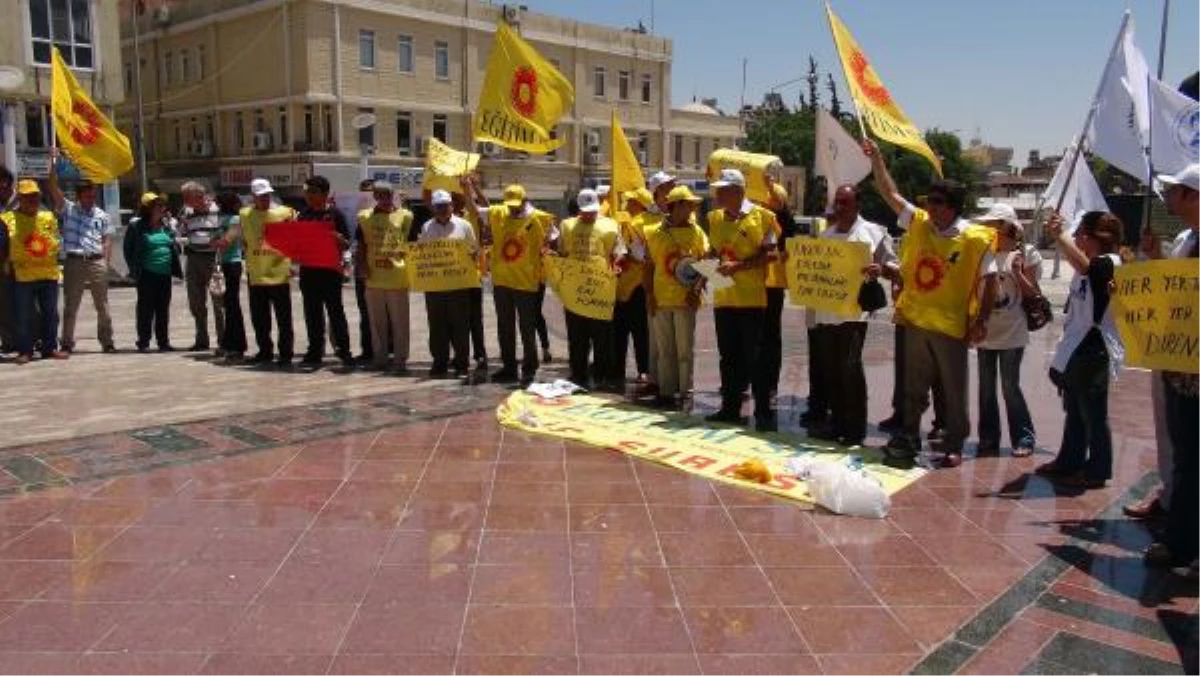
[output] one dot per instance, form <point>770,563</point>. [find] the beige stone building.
<point>234,89</point>
<point>88,36</point>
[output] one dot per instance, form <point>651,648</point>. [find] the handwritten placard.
<point>441,265</point>
<point>826,274</point>
<point>1154,307</point>
<point>585,287</point>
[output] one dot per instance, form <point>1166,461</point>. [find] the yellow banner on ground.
<point>1154,306</point>
<point>875,104</point>
<point>585,287</point>
<point>441,265</point>
<point>826,274</point>
<point>445,167</point>
<point>754,166</point>
<point>88,137</point>
<point>523,96</point>
<point>686,443</point>
<point>626,172</point>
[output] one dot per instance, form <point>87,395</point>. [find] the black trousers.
<point>364,318</point>
<point>265,299</point>
<point>234,338</point>
<point>321,291</point>
<point>630,320</point>
<point>478,346</point>
<point>517,311</point>
<point>839,361</point>
<point>1182,526</point>
<point>771,352</point>
<point>448,313</point>
<point>540,319</point>
<point>739,342</point>
<point>818,391</point>
<point>586,336</point>
<point>898,363</point>
<point>153,308</point>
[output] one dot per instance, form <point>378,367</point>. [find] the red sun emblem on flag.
<point>512,250</point>
<point>37,246</point>
<point>85,123</point>
<point>930,272</point>
<point>868,84</point>
<point>524,91</point>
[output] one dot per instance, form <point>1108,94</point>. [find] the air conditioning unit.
<point>262,140</point>
<point>593,157</point>
<point>512,14</point>
<point>593,139</point>
<point>202,147</point>
<point>488,149</point>
<point>642,157</point>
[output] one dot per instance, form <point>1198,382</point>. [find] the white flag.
<point>1174,133</point>
<point>839,157</point>
<point>1082,193</point>
<point>1121,123</point>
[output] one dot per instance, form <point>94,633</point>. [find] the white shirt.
<point>1007,327</point>
<point>880,244</point>
<point>1079,321</point>
<point>987,266</point>
<point>455,228</point>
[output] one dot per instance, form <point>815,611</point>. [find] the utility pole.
<point>140,136</point>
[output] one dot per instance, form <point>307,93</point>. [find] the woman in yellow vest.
<point>33,244</point>
<point>382,236</point>
<point>270,273</point>
<point>630,319</point>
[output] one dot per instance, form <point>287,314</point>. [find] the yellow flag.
<point>523,97</point>
<point>444,166</point>
<point>875,104</point>
<point>626,172</point>
<point>88,137</point>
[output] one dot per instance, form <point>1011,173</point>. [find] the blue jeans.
<point>1020,425</point>
<point>45,295</point>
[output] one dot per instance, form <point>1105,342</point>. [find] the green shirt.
<point>156,256</point>
<point>233,252</point>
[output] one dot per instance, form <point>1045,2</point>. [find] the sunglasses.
<point>935,199</point>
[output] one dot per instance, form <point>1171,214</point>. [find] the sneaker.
<point>505,376</point>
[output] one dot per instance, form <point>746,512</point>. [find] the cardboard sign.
<point>308,243</point>
<point>585,287</point>
<point>826,274</point>
<point>1154,307</point>
<point>441,265</point>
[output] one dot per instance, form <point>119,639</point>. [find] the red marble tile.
<point>892,550</point>
<point>58,626</point>
<point>522,454</point>
<point>620,631</point>
<point>988,581</point>
<point>140,663</point>
<point>793,550</point>
<point>623,586</point>
<point>248,544</point>
<point>540,518</point>
<point>433,546</point>
<point>302,582</point>
<point>690,492</point>
<point>173,627</point>
<point>691,518</point>
<point>1011,649</point>
<point>530,472</point>
<point>722,586</point>
<point>759,664</point>
<point>867,664</point>
<point>459,471</point>
<point>527,583</point>
<point>741,630</point>
<point>398,471</point>
<point>639,664</point>
<point>214,582</point>
<point>853,631</point>
<point>468,452</point>
<point>553,494</point>
<point>931,625</point>
<point>772,519</point>
<point>840,530</point>
<point>310,494</point>
<point>944,522</point>
<point>99,580</point>
<point>609,518</point>
<point>31,509</point>
<point>704,549</point>
<point>835,586</point>
<point>967,550</point>
<point>384,665</point>
<point>584,471</point>
<point>24,580</point>
<point>97,512</point>
<point>432,584</point>
<point>39,663</point>
<point>518,630</point>
<point>531,548</point>
<point>1102,634</point>
<point>606,550</point>
<point>290,629</point>
<point>424,514</point>
<point>516,664</point>
<point>458,491</point>
<point>341,547</point>
<point>406,630</point>
<point>234,663</point>
<point>50,542</point>
<point>604,493</point>
<point>917,586</point>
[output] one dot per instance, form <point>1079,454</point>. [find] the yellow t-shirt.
<point>385,236</point>
<point>739,240</point>
<point>940,275</point>
<point>582,240</point>
<point>516,259</point>
<point>631,276</point>
<point>33,244</point>
<point>666,247</point>
<point>264,266</point>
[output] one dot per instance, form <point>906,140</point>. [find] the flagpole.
<point>857,113</point>
<point>141,117</point>
<point>1162,53</point>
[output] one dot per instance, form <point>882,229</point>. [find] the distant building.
<point>988,159</point>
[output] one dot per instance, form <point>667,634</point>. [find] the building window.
<point>643,148</point>
<point>440,128</point>
<point>37,132</point>
<point>185,65</point>
<point>696,153</point>
<point>308,125</point>
<point>178,138</point>
<point>239,132</point>
<point>623,85</point>
<point>128,78</point>
<point>329,140</point>
<point>678,142</point>
<point>167,64</point>
<point>404,134</point>
<point>553,154</point>
<point>405,53</point>
<point>210,132</point>
<point>260,121</point>
<point>366,135</point>
<point>66,24</point>
<point>598,82</point>
<point>646,88</point>
<point>201,66</point>
<point>284,137</point>
<point>441,60</point>
<point>366,49</point>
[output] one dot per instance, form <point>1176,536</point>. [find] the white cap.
<point>730,177</point>
<point>588,201</point>
<point>1189,177</point>
<point>1000,212</point>
<point>260,187</point>
<point>602,190</point>
<point>441,197</point>
<point>658,179</point>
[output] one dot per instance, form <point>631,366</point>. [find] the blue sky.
<point>1021,71</point>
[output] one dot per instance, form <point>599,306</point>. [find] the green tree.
<point>814,86</point>
<point>835,103</point>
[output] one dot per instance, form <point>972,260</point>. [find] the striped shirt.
<point>83,231</point>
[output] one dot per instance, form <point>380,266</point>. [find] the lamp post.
<point>771,123</point>
<point>140,136</point>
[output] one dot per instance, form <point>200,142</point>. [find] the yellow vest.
<point>666,246</point>
<point>33,243</point>
<point>516,258</point>
<point>264,266</point>
<point>940,275</point>
<point>776,272</point>
<point>385,236</point>
<point>631,276</point>
<point>580,240</point>
<point>739,240</point>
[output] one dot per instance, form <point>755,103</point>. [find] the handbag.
<point>216,283</point>
<point>1037,311</point>
<point>871,296</point>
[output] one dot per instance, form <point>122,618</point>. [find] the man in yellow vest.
<point>382,234</point>
<point>770,361</point>
<point>630,318</point>
<point>269,273</point>
<point>741,234</point>
<point>33,244</point>
<point>660,186</point>
<point>943,263</point>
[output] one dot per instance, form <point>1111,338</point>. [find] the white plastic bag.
<point>844,490</point>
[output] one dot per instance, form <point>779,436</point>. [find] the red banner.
<point>312,244</point>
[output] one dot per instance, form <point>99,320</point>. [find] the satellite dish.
<point>11,78</point>
<point>362,120</point>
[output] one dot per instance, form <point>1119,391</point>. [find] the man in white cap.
<point>586,236</point>
<point>1177,400</point>
<point>448,312</point>
<point>660,185</point>
<point>270,273</point>
<point>741,234</point>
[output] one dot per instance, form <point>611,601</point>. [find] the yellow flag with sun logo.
<point>523,97</point>
<point>626,172</point>
<point>876,106</point>
<point>88,137</point>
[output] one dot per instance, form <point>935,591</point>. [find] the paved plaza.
<point>162,513</point>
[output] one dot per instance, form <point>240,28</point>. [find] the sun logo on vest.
<point>512,250</point>
<point>524,91</point>
<point>85,123</point>
<point>728,254</point>
<point>931,270</point>
<point>37,245</point>
<point>868,83</point>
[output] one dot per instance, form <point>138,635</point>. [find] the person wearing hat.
<point>741,234</point>
<point>152,256</point>
<point>518,232</point>
<point>321,288</point>
<point>588,236</point>
<point>87,233</point>
<point>673,292</point>
<point>659,186</point>
<point>448,311</point>
<point>475,316</point>
<point>8,202</point>
<point>34,243</point>
<point>606,208</point>
<point>1018,269</point>
<point>383,233</point>
<point>269,273</point>
<point>200,224</point>
<point>630,317</point>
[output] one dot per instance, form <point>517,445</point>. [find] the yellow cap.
<point>514,195</point>
<point>679,193</point>
<point>641,196</point>
<point>28,186</point>
<point>150,198</point>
